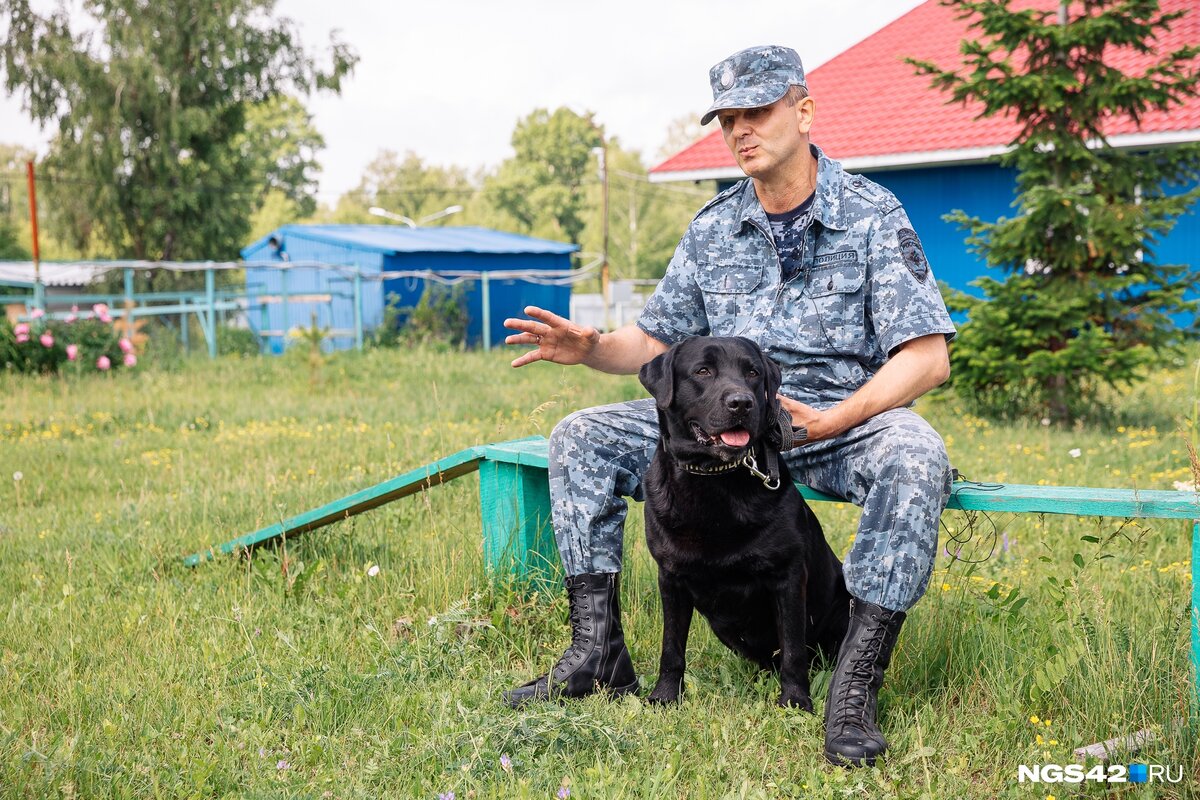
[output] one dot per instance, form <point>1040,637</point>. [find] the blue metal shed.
<point>323,261</point>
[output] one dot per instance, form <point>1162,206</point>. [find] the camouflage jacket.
<point>864,288</point>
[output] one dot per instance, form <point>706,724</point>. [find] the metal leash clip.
<point>752,465</point>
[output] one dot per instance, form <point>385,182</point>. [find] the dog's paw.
<point>796,700</point>
<point>666,692</point>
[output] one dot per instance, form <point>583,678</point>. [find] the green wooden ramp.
<point>514,499</point>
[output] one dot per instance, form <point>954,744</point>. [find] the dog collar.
<point>748,461</point>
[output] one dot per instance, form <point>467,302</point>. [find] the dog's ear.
<point>772,380</point>
<point>658,376</point>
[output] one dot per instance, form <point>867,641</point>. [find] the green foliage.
<point>236,341</point>
<point>408,187</point>
<point>14,201</point>
<point>279,147</point>
<point>551,188</point>
<point>543,186</point>
<point>160,111</point>
<point>439,319</point>
<point>645,221</point>
<point>1085,303</point>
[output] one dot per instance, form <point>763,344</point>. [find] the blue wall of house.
<point>987,191</point>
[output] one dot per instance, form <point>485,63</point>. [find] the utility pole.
<point>38,301</point>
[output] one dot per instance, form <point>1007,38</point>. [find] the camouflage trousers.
<point>893,465</point>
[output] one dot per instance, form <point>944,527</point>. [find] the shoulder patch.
<point>872,192</point>
<point>721,197</point>
<point>913,254</point>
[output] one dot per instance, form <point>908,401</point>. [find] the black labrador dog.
<point>733,542</point>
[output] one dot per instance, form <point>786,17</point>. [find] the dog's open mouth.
<point>734,437</point>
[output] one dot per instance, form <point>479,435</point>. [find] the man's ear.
<point>657,375</point>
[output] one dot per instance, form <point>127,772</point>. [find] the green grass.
<point>298,674</point>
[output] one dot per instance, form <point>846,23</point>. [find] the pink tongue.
<point>738,437</point>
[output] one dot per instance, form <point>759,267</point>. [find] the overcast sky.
<point>448,80</point>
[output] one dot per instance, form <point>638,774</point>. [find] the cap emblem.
<point>727,76</point>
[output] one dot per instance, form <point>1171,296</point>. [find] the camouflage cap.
<point>754,77</point>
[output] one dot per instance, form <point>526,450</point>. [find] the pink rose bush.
<point>45,344</point>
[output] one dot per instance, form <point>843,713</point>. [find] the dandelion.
<point>130,360</point>
<point>373,571</point>
<point>18,476</point>
<point>506,763</point>
<point>103,363</point>
<point>47,340</point>
<point>72,351</point>
<point>125,345</point>
<point>1074,452</point>
<point>1045,422</point>
<point>1034,719</point>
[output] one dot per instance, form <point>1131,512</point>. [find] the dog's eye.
<point>703,371</point>
<point>751,373</point>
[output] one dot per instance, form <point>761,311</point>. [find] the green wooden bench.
<point>514,499</point>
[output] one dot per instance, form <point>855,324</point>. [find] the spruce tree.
<point>1084,302</point>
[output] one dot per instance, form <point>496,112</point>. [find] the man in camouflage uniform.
<point>824,271</point>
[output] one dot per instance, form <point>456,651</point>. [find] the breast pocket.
<point>836,298</point>
<point>731,296</point>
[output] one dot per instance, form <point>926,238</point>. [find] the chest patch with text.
<point>838,257</point>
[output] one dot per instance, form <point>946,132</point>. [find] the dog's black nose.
<point>739,402</point>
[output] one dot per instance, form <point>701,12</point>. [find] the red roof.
<point>874,110</point>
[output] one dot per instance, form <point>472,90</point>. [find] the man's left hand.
<point>820,424</point>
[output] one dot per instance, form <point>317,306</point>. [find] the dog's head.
<point>716,397</point>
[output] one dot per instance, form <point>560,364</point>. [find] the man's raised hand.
<point>555,339</point>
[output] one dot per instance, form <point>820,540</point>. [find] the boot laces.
<point>860,674</point>
<point>577,649</point>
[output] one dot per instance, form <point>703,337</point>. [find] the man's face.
<point>767,139</point>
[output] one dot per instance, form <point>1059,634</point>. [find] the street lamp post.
<point>409,221</point>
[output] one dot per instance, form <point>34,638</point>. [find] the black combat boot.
<point>597,659</point>
<point>852,736</point>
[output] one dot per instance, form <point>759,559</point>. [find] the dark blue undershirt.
<point>788,230</point>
